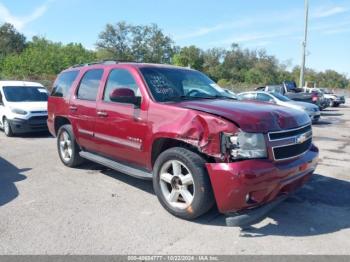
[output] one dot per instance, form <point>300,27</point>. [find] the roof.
<point>112,63</point>
<point>19,83</point>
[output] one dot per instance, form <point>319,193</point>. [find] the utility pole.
<point>302,68</point>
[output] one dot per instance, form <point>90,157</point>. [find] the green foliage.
<point>190,56</point>
<point>232,68</point>
<point>44,59</point>
<point>139,43</point>
<point>11,41</point>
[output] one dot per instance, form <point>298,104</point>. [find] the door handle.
<point>73,108</point>
<point>102,113</point>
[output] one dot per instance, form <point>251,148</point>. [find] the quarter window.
<point>89,84</point>
<point>64,83</point>
<point>120,78</point>
<point>264,98</point>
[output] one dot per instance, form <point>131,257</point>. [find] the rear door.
<point>83,108</point>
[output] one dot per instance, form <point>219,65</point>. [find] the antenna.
<point>304,43</point>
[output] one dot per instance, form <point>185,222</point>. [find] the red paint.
<point>121,92</point>
<point>263,179</point>
<point>128,133</point>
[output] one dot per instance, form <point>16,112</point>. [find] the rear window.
<point>64,83</point>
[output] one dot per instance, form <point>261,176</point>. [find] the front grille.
<point>37,121</point>
<point>285,152</point>
<point>289,133</point>
<point>291,143</point>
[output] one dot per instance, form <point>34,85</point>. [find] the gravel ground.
<point>46,208</point>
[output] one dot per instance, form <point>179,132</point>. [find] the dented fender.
<point>199,129</point>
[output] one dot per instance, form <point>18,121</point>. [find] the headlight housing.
<point>244,145</point>
<point>18,111</point>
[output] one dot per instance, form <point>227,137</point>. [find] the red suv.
<point>178,128</point>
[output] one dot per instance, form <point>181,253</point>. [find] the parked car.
<point>172,125</point>
<point>230,93</point>
<point>335,100</point>
<point>275,98</point>
<point>290,90</point>
<point>23,107</point>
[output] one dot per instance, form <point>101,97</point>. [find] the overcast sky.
<point>274,25</point>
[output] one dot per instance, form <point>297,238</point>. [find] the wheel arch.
<point>162,144</point>
<point>60,121</point>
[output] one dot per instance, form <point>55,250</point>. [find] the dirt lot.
<point>46,208</point>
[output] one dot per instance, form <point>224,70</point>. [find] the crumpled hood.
<point>251,116</point>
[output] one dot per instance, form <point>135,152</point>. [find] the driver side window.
<point>1,102</point>
<point>120,78</point>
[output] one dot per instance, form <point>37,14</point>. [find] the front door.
<point>121,128</point>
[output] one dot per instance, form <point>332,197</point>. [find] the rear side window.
<point>264,98</point>
<point>64,83</point>
<point>89,84</point>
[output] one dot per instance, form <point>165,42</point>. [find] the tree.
<point>11,41</point>
<point>135,43</point>
<point>190,56</point>
<point>115,41</point>
<point>213,63</point>
<point>44,59</point>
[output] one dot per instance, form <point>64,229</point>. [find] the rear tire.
<point>68,149</point>
<point>181,183</point>
<point>7,128</point>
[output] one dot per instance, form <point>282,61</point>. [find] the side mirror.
<point>125,95</point>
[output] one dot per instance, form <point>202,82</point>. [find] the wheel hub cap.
<point>177,184</point>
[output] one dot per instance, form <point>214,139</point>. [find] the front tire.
<point>7,128</point>
<point>68,149</point>
<point>182,184</point>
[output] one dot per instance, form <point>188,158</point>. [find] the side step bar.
<point>116,166</point>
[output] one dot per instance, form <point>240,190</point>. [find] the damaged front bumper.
<point>247,190</point>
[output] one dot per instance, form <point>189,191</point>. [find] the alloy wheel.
<point>65,143</point>
<point>177,184</point>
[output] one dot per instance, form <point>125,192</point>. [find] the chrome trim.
<point>120,141</point>
<point>286,131</point>
<point>85,132</point>
<point>282,159</point>
<point>288,139</point>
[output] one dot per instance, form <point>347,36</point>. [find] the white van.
<point>23,107</point>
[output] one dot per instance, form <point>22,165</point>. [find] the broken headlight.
<point>244,145</point>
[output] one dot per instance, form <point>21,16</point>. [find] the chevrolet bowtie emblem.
<point>301,139</point>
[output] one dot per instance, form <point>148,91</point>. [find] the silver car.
<point>312,110</point>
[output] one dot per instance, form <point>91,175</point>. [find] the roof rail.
<point>103,62</point>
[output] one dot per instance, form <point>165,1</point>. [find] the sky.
<point>274,25</point>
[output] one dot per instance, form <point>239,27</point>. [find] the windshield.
<point>25,94</point>
<point>290,85</point>
<point>280,97</point>
<point>173,84</point>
